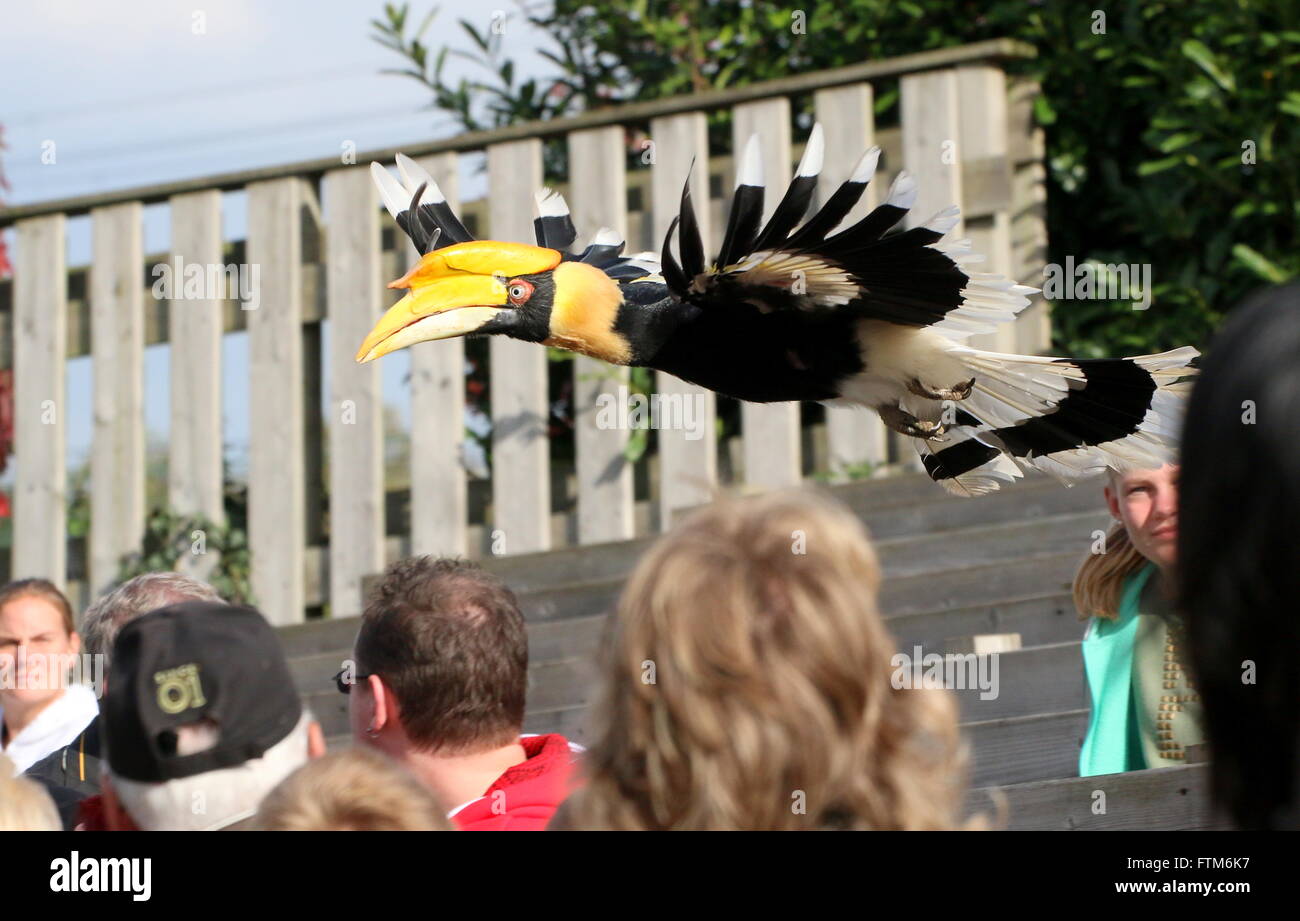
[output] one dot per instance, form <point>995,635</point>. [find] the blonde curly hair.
<point>24,804</point>
<point>747,685</point>
<point>353,790</point>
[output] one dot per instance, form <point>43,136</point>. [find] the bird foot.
<point>960,392</point>
<point>904,423</point>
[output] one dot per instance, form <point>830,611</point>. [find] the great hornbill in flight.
<point>790,311</point>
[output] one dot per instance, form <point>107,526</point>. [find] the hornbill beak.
<point>454,291</point>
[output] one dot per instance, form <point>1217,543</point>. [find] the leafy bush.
<point>171,540</point>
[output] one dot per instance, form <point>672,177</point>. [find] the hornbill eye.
<point>519,291</point>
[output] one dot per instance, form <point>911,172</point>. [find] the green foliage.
<point>477,105</point>
<point>864,470</point>
<point>1172,135</point>
<point>170,539</point>
<point>1170,144</point>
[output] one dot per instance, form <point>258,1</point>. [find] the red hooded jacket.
<point>526,796</point>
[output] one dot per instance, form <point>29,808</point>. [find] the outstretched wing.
<point>910,278</point>
<point>422,211</point>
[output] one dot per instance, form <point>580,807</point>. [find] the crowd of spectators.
<point>744,679</point>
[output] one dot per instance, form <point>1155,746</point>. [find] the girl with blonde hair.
<point>748,685</point>
<point>1145,710</point>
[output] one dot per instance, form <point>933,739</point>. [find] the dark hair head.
<point>449,640</point>
<point>46,591</point>
<point>1239,556</point>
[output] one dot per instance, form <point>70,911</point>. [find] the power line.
<point>259,85</point>
<point>89,174</point>
<point>253,134</point>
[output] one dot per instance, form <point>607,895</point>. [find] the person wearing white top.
<point>40,711</point>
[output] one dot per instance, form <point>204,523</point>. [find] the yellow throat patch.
<point>583,314</point>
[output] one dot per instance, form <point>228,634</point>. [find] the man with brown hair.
<point>438,683</point>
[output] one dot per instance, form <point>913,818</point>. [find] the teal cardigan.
<point>1112,744</point>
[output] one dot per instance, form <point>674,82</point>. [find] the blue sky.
<point>140,97</point>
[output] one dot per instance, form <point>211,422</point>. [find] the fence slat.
<point>117,344</point>
<point>931,127</point>
<point>276,501</point>
<point>770,430</point>
<point>688,465</point>
<point>599,199</point>
<point>982,108</point>
<point>356,405</point>
<point>855,436</point>
<point>40,345</point>
<point>439,492</point>
<point>521,468</point>
<point>928,113</point>
<point>195,329</point>
<point>1029,215</point>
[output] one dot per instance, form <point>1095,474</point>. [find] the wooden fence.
<point>965,130</point>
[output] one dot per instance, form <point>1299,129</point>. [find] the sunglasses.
<point>344,680</point>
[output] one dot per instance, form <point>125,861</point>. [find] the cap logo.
<point>179,689</point>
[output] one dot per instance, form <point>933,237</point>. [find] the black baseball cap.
<point>188,662</point>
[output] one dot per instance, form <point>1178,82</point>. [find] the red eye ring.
<point>518,290</point>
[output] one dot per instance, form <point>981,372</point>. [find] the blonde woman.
<point>1145,710</point>
<point>747,685</point>
<point>355,790</point>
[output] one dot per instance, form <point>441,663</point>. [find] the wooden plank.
<point>1160,799</point>
<point>688,460</point>
<point>1026,748</point>
<point>1029,224</point>
<point>40,341</point>
<point>1041,679</point>
<point>1012,751</point>
<point>276,501</point>
<point>928,104</point>
<point>855,436</point>
<point>770,430</point>
<point>195,326</point>
<point>983,137</point>
<point>986,185</point>
<point>356,404</point>
<point>439,492</point>
<point>599,200</point>
<point>521,463</point>
<point>117,334</point>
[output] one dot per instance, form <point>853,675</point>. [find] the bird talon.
<point>904,423</point>
<point>960,392</point>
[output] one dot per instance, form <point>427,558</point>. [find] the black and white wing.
<point>911,278</point>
